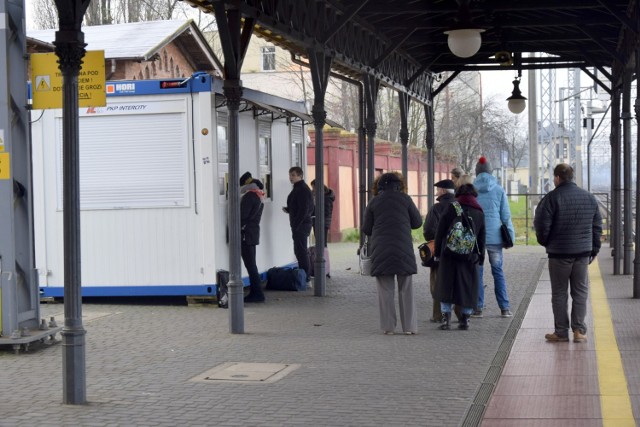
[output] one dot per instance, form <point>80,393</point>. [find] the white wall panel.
<point>123,246</point>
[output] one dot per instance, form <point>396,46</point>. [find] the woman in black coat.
<point>388,220</point>
<point>457,281</point>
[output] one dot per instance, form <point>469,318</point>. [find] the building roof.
<point>141,41</point>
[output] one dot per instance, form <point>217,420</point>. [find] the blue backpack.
<point>461,242</point>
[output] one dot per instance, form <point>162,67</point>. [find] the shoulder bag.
<point>364,258</point>
<point>507,242</point>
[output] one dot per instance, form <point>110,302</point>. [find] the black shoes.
<point>464,322</point>
<point>446,319</point>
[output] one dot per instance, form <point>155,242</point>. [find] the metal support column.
<point>404,101</point>
<point>616,189</point>
<point>636,262</point>
<point>534,155</point>
<point>362,158</point>
<point>69,47</point>
<point>320,65</point>
<point>431,154</point>
<point>19,299</point>
<point>371,87</point>
<point>235,34</point>
<point>626,149</point>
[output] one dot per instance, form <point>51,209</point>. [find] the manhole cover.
<point>246,372</point>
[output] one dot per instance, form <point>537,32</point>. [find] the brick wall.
<point>341,174</point>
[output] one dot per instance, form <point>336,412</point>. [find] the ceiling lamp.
<point>464,37</point>
<point>516,100</point>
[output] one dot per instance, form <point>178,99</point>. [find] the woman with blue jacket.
<point>496,210</point>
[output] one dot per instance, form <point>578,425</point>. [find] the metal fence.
<point>522,214</point>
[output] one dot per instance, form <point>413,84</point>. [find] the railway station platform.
<point>309,361</point>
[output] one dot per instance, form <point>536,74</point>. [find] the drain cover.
<point>246,372</point>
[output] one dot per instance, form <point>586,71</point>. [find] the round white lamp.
<point>464,42</point>
<point>516,100</point>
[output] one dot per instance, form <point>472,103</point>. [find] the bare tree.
<point>516,142</point>
<point>104,12</point>
<point>45,14</point>
<point>466,130</point>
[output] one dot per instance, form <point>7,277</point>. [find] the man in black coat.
<point>444,195</point>
<point>300,208</point>
<point>251,206</point>
<point>568,224</point>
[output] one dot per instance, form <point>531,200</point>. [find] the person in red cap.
<point>496,210</point>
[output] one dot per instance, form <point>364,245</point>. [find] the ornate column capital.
<point>319,116</point>
<point>404,136</point>
<point>232,90</point>
<point>371,127</point>
<point>70,48</point>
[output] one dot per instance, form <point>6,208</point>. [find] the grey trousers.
<point>572,274</point>
<point>386,303</point>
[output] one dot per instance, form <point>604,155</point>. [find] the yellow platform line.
<point>614,394</point>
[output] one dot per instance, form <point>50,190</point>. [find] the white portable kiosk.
<point>153,186</point>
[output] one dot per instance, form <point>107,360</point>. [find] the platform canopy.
<point>403,42</point>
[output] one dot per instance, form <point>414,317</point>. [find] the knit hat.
<point>483,166</point>
<point>246,178</point>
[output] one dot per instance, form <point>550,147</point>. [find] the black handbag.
<point>426,251</point>
<point>507,242</point>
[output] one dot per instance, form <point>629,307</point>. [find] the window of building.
<point>223,153</point>
<point>297,144</point>
<point>264,154</point>
<point>268,58</point>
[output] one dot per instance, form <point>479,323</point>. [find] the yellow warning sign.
<point>47,81</point>
<point>43,83</point>
<point>1,140</point>
<point>5,171</point>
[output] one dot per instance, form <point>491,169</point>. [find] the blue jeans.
<point>445,307</point>
<point>494,253</point>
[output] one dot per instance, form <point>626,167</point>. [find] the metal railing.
<point>522,217</point>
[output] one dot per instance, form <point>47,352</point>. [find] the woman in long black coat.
<point>457,281</point>
<point>388,220</point>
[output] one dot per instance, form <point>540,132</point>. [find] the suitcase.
<point>312,260</point>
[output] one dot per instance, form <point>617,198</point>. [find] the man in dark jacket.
<point>568,224</point>
<point>251,206</point>
<point>300,208</point>
<point>444,195</point>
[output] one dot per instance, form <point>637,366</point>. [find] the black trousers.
<point>248,253</point>
<point>326,234</point>
<point>300,250</point>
